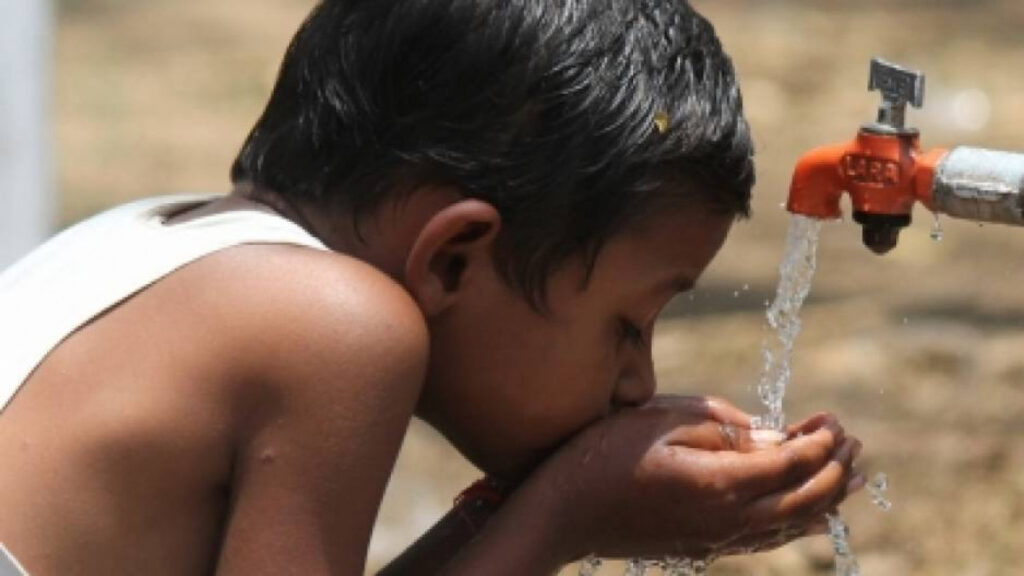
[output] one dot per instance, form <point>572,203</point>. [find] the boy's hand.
<point>680,476</point>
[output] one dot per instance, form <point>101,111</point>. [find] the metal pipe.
<point>982,185</point>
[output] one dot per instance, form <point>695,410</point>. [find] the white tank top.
<point>96,264</point>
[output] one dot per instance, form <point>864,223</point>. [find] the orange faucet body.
<point>883,169</point>
<point>884,174</point>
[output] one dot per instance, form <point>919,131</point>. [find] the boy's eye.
<point>632,334</point>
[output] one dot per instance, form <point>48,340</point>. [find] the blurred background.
<point>921,352</point>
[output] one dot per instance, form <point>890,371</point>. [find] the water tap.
<point>885,172</point>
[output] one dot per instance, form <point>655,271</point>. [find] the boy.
<point>467,211</point>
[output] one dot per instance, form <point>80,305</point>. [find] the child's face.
<point>506,384</point>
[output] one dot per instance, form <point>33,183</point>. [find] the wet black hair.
<point>570,117</point>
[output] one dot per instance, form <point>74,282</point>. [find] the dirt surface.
<point>921,352</point>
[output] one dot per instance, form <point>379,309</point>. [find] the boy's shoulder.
<point>334,355</point>
<point>295,305</point>
<point>289,374</point>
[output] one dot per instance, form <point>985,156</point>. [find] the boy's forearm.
<point>524,538</point>
<point>519,539</point>
<point>434,549</point>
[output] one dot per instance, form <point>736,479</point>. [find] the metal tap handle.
<point>899,87</point>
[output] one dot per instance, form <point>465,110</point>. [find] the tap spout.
<point>818,184</point>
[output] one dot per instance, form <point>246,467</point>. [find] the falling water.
<point>685,567</point>
<point>839,535</point>
<point>877,488</point>
<point>643,567</point>
<point>936,233</point>
<point>795,275</point>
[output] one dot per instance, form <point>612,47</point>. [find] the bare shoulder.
<point>283,376</point>
<point>334,354</point>
<point>298,335</point>
<point>301,309</point>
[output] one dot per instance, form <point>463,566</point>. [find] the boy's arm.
<point>336,356</point>
<point>476,538</point>
<point>692,488</point>
<point>436,547</point>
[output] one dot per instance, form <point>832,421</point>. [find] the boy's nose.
<point>635,386</point>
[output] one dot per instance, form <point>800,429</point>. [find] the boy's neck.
<point>284,206</point>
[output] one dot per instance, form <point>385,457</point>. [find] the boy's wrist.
<point>526,536</point>
<point>543,520</point>
<point>475,505</point>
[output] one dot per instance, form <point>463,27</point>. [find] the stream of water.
<point>795,276</point>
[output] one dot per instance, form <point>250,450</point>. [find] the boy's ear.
<point>450,247</point>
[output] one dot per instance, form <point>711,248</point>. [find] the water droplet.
<point>906,320</point>
<point>877,488</point>
<point>839,535</point>
<point>937,233</point>
<point>636,567</point>
<point>684,567</point>
<point>736,294</point>
<point>589,566</point>
<point>746,287</point>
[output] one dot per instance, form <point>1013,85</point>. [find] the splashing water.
<point>795,275</point>
<point>685,567</point>
<point>839,535</point>
<point>877,488</point>
<point>636,567</point>
<point>590,565</point>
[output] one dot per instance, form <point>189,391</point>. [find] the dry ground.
<point>921,353</point>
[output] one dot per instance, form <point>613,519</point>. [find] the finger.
<point>709,435</point>
<point>704,407</point>
<point>727,413</point>
<point>758,473</point>
<point>716,436</point>
<point>810,425</point>
<point>822,491</point>
<point>856,483</point>
<point>751,440</point>
<point>818,526</point>
<point>765,438</point>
